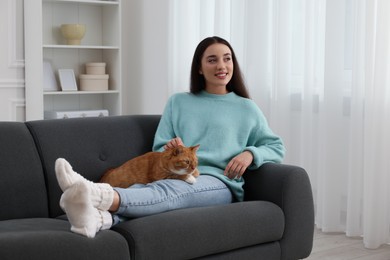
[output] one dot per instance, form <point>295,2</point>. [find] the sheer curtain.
<point>320,71</point>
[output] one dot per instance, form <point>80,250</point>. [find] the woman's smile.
<point>221,75</point>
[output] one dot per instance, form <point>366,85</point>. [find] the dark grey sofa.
<point>275,222</point>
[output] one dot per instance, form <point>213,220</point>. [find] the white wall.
<point>12,101</point>
<point>145,31</point>
<point>145,58</point>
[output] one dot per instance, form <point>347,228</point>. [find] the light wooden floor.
<point>336,246</point>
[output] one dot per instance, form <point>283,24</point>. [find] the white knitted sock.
<point>85,219</point>
<point>66,177</point>
<point>106,218</point>
<point>102,194</point>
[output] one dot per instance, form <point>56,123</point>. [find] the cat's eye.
<point>187,161</point>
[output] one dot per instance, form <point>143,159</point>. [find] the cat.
<point>175,163</point>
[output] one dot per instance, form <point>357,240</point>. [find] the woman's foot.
<point>66,177</point>
<point>101,194</point>
<point>85,219</point>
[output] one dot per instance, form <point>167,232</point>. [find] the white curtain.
<point>320,71</point>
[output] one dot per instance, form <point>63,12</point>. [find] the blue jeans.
<point>142,200</point>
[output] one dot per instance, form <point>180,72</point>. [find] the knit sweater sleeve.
<point>264,144</point>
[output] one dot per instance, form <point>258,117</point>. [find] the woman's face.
<point>217,68</point>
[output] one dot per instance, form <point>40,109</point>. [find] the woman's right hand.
<point>175,142</point>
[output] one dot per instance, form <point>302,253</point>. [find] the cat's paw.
<point>190,179</point>
<point>196,173</point>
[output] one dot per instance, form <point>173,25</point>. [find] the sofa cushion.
<point>197,232</point>
<point>91,145</point>
<point>44,238</point>
<point>265,251</point>
<point>22,185</point>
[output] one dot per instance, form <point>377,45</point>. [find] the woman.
<point>217,114</point>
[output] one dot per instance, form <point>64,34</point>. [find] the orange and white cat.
<point>175,163</point>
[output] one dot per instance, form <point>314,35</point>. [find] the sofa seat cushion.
<point>44,238</point>
<point>197,232</point>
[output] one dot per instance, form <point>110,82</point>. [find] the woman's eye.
<point>212,60</point>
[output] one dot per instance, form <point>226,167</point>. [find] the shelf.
<point>80,92</point>
<point>44,42</point>
<point>90,2</point>
<point>98,47</point>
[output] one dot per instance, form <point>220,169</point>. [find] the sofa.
<point>276,220</point>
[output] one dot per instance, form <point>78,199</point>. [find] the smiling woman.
<point>319,71</point>
<point>217,98</point>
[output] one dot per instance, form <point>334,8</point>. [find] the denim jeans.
<point>142,200</point>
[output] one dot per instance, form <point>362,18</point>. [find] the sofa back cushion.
<point>90,145</point>
<point>22,183</point>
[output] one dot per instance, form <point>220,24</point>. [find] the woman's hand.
<point>175,142</point>
<point>237,166</point>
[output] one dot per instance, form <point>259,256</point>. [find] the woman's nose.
<point>220,64</point>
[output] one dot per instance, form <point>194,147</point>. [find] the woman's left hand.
<point>175,142</point>
<point>238,165</point>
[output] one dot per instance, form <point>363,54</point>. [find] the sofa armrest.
<point>288,187</point>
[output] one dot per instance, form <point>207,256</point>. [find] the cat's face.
<point>182,160</point>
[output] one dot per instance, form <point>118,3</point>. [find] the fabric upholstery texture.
<point>46,238</point>
<point>266,251</point>
<point>22,184</point>
<point>288,187</point>
<point>185,234</point>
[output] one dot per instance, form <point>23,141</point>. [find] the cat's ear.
<point>177,150</point>
<point>195,148</point>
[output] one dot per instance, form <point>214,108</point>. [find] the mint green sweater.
<point>224,126</point>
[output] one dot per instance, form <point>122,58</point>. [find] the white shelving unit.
<point>44,42</point>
